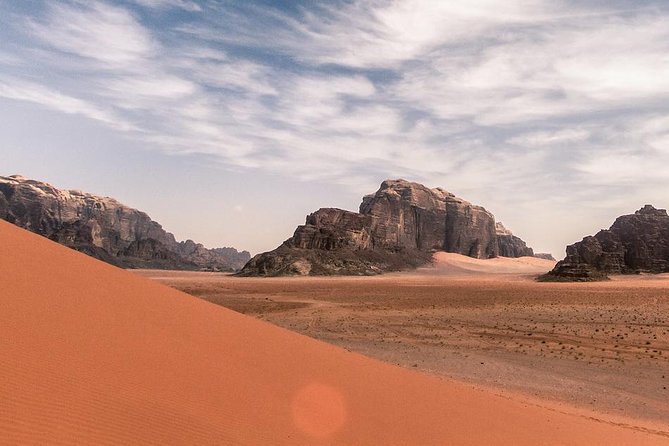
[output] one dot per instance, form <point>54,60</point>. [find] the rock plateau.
<point>396,228</point>
<point>106,229</point>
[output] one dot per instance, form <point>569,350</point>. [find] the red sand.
<point>92,354</point>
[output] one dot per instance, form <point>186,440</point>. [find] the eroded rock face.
<point>104,228</point>
<point>508,245</point>
<point>406,214</point>
<point>635,243</point>
<point>397,228</point>
<point>331,229</point>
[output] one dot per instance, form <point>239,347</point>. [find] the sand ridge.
<point>96,355</point>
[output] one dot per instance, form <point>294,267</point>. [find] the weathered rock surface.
<point>397,228</point>
<point>508,245</point>
<point>636,243</point>
<point>106,229</point>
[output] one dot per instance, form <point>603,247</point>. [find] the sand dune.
<point>446,263</point>
<point>95,355</point>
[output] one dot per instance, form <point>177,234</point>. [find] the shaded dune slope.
<point>92,354</point>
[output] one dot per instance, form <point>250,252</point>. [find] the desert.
<point>356,330</point>
<point>601,347</point>
<point>94,354</point>
<point>345,222</point>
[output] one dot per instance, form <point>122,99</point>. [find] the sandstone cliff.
<point>106,229</point>
<point>508,245</point>
<point>396,228</point>
<point>635,243</point>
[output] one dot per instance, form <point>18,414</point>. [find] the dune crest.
<point>95,355</point>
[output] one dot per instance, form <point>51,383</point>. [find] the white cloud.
<point>554,72</point>
<point>38,94</point>
<point>183,4</point>
<point>550,138</point>
<point>381,34</point>
<point>153,86</point>
<point>94,30</point>
<point>218,71</point>
<point>655,133</point>
<point>626,168</point>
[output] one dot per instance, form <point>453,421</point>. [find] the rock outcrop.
<point>508,245</point>
<point>397,228</point>
<point>636,243</point>
<point>545,256</point>
<point>106,229</point>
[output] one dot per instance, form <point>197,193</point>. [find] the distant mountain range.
<point>397,228</point>
<point>106,229</point>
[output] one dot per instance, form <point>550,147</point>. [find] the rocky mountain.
<point>396,228</point>
<point>636,243</point>
<point>106,229</point>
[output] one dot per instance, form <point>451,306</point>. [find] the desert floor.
<point>600,347</point>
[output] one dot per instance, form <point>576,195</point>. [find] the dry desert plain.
<point>92,354</point>
<point>602,348</point>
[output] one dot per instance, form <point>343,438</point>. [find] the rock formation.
<point>106,229</point>
<point>545,256</point>
<point>636,243</point>
<point>398,227</point>
<point>508,245</point>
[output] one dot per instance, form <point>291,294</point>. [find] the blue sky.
<point>229,121</point>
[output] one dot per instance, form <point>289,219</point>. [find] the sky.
<point>229,121</point>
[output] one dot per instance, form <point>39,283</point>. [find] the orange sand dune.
<point>92,354</point>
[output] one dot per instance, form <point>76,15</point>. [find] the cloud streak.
<point>94,30</point>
